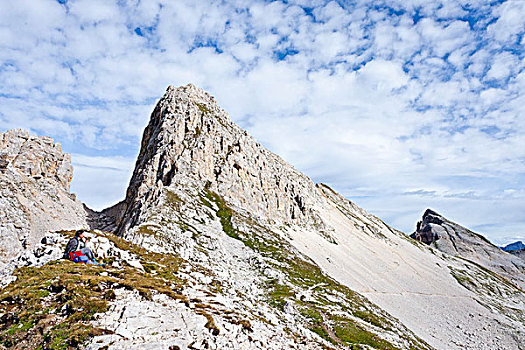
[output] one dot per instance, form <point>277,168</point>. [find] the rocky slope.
<point>232,248</point>
<point>197,169</point>
<point>34,193</point>
<point>456,240</point>
<point>194,162</point>
<point>519,253</point>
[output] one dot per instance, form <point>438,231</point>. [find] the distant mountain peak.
<point>456,240</point>
<point>518,245</point>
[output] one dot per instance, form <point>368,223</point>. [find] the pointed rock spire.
<point>190,137</point>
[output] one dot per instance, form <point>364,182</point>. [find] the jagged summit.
<point>456,240</point>
<point>190,136</point>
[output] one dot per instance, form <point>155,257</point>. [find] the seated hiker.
<point>78,251</point>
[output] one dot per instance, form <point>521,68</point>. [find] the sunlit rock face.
<point>34,192</point>
<point>190,135</point>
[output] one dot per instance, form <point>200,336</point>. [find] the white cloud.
<point>503,65</point>
<point>91,171</point>
<point>509,21</point>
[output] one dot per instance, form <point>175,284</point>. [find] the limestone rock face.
<point>456,240</point>
<point>34,192</point>
<point>190,134</point>
<point>36,157</point>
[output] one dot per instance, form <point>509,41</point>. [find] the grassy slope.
<point>331,310</point>
<point>52,307</point>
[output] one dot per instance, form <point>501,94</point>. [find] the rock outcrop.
<point>34,192</point>
<point>456,240</point>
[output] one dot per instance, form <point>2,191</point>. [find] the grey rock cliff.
<point>34,192</point>
<point>190,134</point>
<point>456,240</point>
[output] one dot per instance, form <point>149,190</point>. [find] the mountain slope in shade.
<point>456,240</point>
<point>519,253</point>
<point>514,246</point>
<point>206,190</point>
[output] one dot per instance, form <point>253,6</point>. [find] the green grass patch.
<point>51,307</point>
<point>224,213</point>
<point>278,294</point>
<point>350,333</point>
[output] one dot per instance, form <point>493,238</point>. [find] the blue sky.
<point>398,105</point>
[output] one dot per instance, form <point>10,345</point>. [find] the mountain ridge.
<point>260,257</point>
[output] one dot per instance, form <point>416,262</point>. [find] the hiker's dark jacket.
<point>73,245</point>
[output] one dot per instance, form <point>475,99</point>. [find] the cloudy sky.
<point>399,105</point>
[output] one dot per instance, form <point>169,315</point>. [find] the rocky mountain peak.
<point>424,231</point>
<point>190,137</point>
<point>456,240</point>
<point>514,246</point>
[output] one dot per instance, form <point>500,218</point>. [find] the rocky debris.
<point>456,240</point>
<point>50,248</point>
<point>50,301</point>
<point>164,323</point>
<point>34,192</point>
